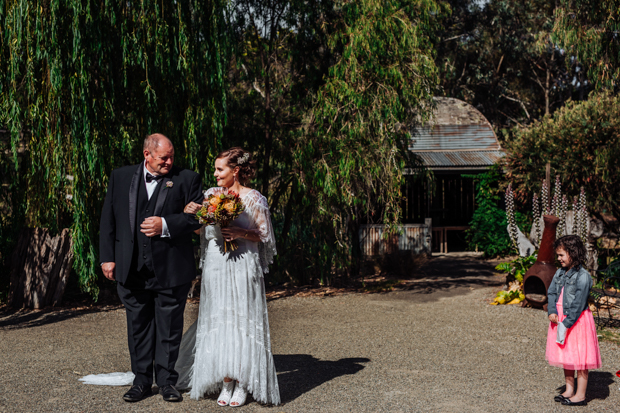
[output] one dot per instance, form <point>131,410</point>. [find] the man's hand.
<point>151,226</point>
<point>109,270</point>
<point>554,318</point>
<point>192,208</point>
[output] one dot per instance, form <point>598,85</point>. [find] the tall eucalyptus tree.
<point>590,30</point>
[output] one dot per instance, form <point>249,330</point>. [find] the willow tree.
<point>352,147</point>
<point>590,30</point>
<point>83,82</point>
<point>350,150</point>
<point>325,93</point>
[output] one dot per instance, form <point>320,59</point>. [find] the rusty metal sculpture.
<point>538,278</point>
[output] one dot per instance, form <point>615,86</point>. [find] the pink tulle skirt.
<point>580,349</point>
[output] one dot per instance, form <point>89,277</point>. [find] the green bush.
<point>487,231</point>
<point>582,143</point>
<point>517,268</point>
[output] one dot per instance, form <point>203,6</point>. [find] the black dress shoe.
<point>568,402</point>
<point>559,398</point>
<point>170,394</point>
<point>137,393</point>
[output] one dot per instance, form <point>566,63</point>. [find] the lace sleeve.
<point>258,209</point>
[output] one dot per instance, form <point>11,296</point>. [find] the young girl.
<point>572,342</point>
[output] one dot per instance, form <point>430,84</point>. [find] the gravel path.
<point>438,347</point>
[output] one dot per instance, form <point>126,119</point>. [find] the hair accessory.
<point>243,159</point>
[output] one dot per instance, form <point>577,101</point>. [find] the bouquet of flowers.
<point>221,209</point>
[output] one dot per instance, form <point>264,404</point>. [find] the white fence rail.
<point>411,237</point>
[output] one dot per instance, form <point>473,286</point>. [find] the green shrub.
<point>517,268</point>
<point>581,142</point>
<point>487,232</point>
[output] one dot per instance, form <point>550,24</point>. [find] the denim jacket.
<point>577,283</point>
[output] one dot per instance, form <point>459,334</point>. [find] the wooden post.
<point>428,238</point>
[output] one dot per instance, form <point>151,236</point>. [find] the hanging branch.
<point>85,81</point>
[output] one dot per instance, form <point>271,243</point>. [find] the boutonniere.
<point>169,184</point>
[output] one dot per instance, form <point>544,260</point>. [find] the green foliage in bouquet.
<point>582,143</point>
<point>220,209</point>
<point>488,225</point>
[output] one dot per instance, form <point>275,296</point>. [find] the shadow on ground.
<point>599,383</point>
<point>447,276</point>
<point>12,319</point>
<point>447,266</point>
<point>300,373</point>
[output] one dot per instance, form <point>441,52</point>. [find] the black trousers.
<point>154,326</point>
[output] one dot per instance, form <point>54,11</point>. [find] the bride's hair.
<point>243,159</point>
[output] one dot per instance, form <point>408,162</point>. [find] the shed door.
<point>448,200</point>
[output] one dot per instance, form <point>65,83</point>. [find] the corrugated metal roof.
<point>457,137</point>
<point>454,138</point>
<point>451,111</point>
<point>460,159</point>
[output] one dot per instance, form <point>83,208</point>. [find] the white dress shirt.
<point>150,188</point>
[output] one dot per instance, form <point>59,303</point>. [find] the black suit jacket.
<point>173,258</point>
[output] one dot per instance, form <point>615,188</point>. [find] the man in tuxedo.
<point>146,245</point>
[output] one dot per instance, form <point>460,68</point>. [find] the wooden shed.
<point>456,145</point>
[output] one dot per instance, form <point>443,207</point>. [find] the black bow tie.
<point>150,178</point>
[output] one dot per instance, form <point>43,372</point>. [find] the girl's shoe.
<point>559,398</point>
<point>239,396</point>
<point>568,402</point>
<point>226,394</point>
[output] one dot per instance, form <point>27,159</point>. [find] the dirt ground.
<point>434,344</point>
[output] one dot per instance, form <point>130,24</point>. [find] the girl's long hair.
<point>573,245</point>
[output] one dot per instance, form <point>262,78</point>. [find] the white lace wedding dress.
<point>231,336</point>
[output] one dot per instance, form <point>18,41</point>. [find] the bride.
<point>229,345</point>
<point>233,346</point>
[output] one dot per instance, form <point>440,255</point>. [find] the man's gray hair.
<point>152,141</point>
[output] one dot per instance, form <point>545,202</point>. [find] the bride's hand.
<point>231,233</point>
<point>192,208</point>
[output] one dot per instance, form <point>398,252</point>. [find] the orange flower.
<point>229,205</point>
<point>211,208</point>
<point>215,201</point>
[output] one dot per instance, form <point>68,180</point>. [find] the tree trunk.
<point>547,91</point>
<point>268,134</point>
<point>40,268</point>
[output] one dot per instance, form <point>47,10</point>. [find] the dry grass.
<point>611,335</point>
